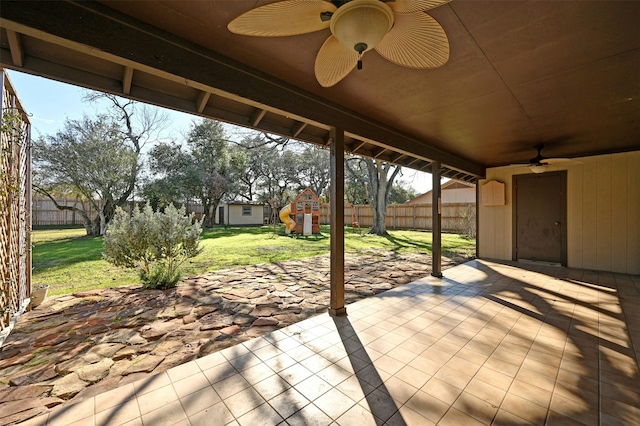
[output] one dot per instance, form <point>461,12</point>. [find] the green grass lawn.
<point>69,261</point>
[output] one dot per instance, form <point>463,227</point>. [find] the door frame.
<point>220,215</point>
<point>563,214</point>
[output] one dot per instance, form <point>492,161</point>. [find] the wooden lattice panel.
<point>14,206</point>
<point>5,230</point>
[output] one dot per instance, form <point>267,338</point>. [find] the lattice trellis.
<point>15,205</point>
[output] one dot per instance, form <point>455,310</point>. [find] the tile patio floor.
<point>491,343</point>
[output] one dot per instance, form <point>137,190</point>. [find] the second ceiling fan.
<point>540,164</point>
<point>398,30</point>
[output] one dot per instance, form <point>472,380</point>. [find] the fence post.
<point>395,223</point>
<point>414,217</point>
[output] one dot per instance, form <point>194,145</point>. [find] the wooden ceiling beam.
<point>257,117</point>
<point>201,102</point>
<point>426,167</point>
<point>359,145</point>
<point>127,79</point>
<point>378,152</point>
<point>413,161</point>
<point>297,129</point>
<point>396,159</point>
<point>278,129</point>
<point>361,152</point>
<point>15,46</point>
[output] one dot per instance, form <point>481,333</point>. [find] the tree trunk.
<point>207,215</point>
<point>380,188</point>
<point>93,226</point>
<point>379,208</point>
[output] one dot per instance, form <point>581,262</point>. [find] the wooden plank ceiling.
<point>566,74</point>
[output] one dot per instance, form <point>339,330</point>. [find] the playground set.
<point>302,216</point>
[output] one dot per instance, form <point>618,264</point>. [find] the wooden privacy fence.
<point>45,211</point>
<point>15,202</point>
<point>458,217</point>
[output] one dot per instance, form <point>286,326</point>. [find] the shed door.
<point>540,231</point>
<point>220,215</point>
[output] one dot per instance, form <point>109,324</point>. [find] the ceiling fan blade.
<point>548,162</point>
<point>562,161</point>
<point>334,62</point>
<point>409,6</point>
<point>283,18</point>
<point>415,41</point>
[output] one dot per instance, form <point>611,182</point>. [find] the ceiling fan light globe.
<point>539,168</point>
<point>361,23</point>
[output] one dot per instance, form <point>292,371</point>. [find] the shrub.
<point>155,243</point>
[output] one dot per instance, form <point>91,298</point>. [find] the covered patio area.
<point>490,343</point>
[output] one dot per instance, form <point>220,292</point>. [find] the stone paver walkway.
<point>78,346</point>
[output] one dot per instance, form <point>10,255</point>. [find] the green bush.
<point>155,243</point>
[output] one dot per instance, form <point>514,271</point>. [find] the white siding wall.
<point>450,196</point>
<point>603,214</point>
<point>459,195</point>
<point>236,217</point>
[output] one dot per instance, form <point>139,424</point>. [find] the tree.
<point>279,180</point>
<point>254,150</point>
<point>97,158</point>
<point>207,170</point>
<point>313,169</point>
<point>169,160</point>
<point>89,157</point>
<point>401,193</point>
<point>278,168</point>
<point>355,189</point>
<point>380,176</point>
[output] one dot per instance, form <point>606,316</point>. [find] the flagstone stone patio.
<point>75,347</point>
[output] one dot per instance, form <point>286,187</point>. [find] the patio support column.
<point>336,303</point>
<point>478,218</point>
<point>436,219</point>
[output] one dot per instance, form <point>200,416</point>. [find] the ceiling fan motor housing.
<point>361,24</point>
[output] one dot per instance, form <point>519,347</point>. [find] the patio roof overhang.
<point>520,73</point>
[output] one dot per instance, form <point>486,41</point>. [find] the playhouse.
<point>303,213</point>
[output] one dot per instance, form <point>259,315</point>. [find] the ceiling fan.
<point>398,30</point>
<point>540,164</point>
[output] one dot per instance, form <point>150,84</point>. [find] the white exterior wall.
<point>603,214</point>
<point>450,196</point>
<point>236,218</point>
<point>459,195</point>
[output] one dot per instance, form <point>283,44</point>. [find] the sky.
<point>49,103</point>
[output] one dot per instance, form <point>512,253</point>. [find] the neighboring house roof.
<point>453,191</point>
